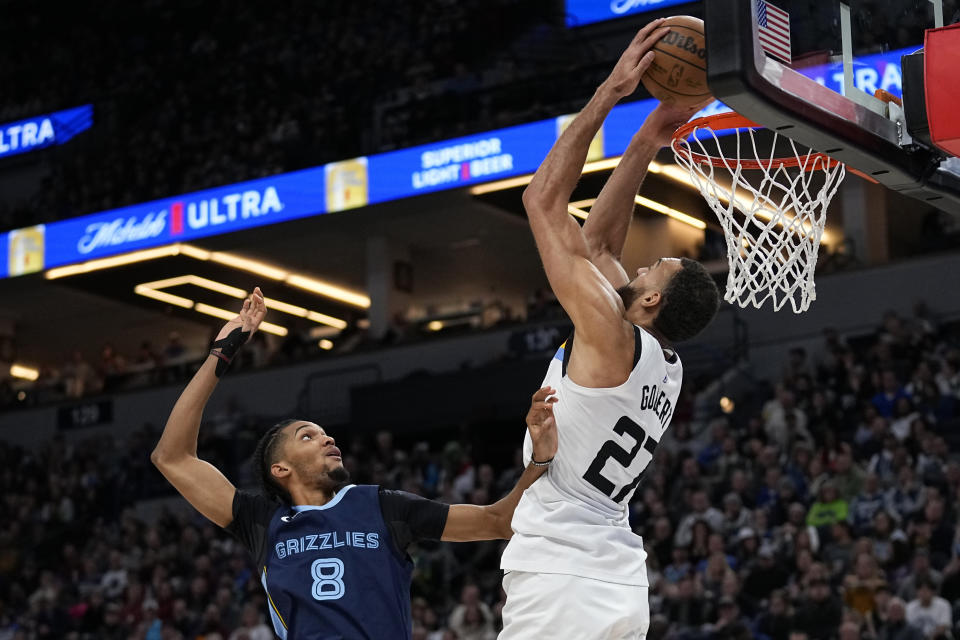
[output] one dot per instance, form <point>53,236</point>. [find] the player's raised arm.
<point>467,522</point>
<point>609,221</point>
<point>175,455</point>
<point>581,288</point>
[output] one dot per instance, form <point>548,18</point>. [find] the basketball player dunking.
<point>331,555</point>
<point>574,568</point>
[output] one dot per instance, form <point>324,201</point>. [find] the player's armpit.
<point>609,265</point>
<point>201,484</point>
<point>585,293</point>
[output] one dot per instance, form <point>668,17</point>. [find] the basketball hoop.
<point>773,222</point>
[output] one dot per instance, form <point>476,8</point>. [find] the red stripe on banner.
<point>775,50</point>
<point>773,44</point>
<point>776,12</point>
<point>779,28</point>
<point>176,218</point>
<point>775,37</point>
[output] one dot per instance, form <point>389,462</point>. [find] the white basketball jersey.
<point>574,519</point>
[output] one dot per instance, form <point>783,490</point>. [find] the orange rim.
<point>733,120</point>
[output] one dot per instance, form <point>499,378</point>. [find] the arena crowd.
<point>823,508</point>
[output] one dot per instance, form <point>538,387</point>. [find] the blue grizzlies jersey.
<point>336,571</point>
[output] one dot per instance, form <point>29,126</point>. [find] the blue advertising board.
<point>4,253</point>
<point>460,162</point>
<point>581,12</point>
<point>195,215</point>
<point>43,131</point>
<point>338,186</point>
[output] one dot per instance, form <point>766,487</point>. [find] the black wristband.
<point>229,346</point>
<point>545,463</point>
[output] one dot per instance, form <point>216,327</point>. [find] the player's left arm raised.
<point>585,294</point>
<point>468,522</point>
<point>606,228</point>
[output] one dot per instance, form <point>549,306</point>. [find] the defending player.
<point>574,569</point>
<point>331,555</point>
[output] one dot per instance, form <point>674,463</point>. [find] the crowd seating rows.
<point>823,506</point>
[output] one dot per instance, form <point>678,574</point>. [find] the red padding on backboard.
<point>941,81</point>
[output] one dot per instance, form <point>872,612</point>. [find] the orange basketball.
<point>678,74</point>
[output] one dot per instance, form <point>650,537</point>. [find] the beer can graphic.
<point>346,183</point>
<point>595,152</point>
<point>26,248</point>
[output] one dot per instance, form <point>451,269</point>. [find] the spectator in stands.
<point>779,429</point>
<point>684,604</point>
<point>929,612</point>
<point>829,508</point>
<point>891,392</point>
<point>896,626</point>
<point>921,571</point>
<point>820,613</point>
<point>700,511</point>
<point>860,586</point>
<point>866,504</point>
<point>907,496</point>
<point>775,623</point>
<point>174,349</point>
<point>888,542</point>
<point>78,376</point>
<point>765,576</point>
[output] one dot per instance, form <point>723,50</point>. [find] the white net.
<point>773,222</point>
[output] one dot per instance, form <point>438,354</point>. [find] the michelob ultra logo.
<point>194,214</point>
<point>26,250</point>
<point>347,184</point>
<point>595,152</point>
<point>25,135</point>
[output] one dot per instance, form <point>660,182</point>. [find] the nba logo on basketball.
<point>26,250</point>
<point>346,184</point>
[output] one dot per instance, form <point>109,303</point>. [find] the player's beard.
<point>339,475</point>
<point>629,295</point>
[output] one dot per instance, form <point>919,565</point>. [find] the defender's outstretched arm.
<point>175,455</point>
<point>467,522</point>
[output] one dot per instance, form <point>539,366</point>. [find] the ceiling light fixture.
<point>577,208</point>
<point>163,296</point>
<point>328,290</point>
<point>24,372</point>
<point>245,264</point>
<point>113,261</point>
<point>153,290</point>
<point>272,272</point>
<point>680,216</point>
<point>225,314</point>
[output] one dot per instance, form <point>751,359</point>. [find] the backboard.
<point>809,69</point>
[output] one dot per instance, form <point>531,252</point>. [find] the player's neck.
<point>313,496</point>
<point>645,322</point>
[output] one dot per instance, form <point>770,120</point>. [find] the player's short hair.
<point>689,302</point>
<point>265,455</point>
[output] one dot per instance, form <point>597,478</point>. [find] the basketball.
<point>678,74</point>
